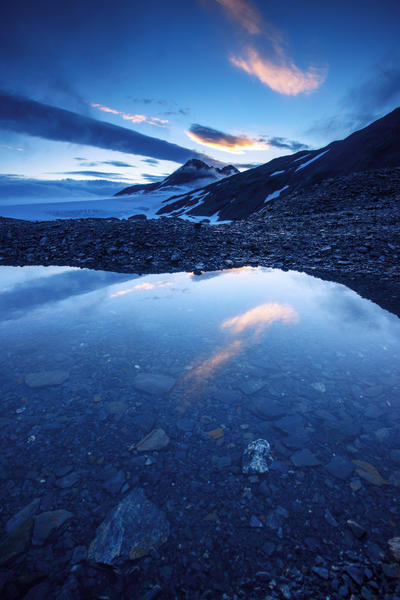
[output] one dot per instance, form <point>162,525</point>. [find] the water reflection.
<point>93,363</point>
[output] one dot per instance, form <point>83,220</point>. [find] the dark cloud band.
<point>26,116</point>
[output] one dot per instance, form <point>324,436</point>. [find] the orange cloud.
<point>283,77</point>
<point>133,118</point>
<point>236,144</point>
<point>261,316</point>
<point>208,366</point>
<point>244,13</point>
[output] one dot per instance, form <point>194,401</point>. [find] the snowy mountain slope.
<point>375,146</point>
<point>193,174</point>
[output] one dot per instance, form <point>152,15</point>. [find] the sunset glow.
<point>260,317</point>
<point>281,77</point>
<point>238,145</point>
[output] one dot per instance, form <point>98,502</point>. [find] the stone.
<point>23,515</point>
<point>321,572</point>
<point>115,483</point>
<point>255,521</point>
<point>155,440</point>
<point>153,383</point>
<point>267,409</point>
<point>304,458</point>
<point>216,434</point>
<point>340,467</point>
<point>130,530</point>
<point>46,523</point>
<point>14,543</point>
<point>251,386</point>
<point>46,378</point>
<point>356,574</point>
<point>369,473</point>
<point>68,480</point>
<point>394,545</point>
<point>256,456</point>
<point>357,530</point>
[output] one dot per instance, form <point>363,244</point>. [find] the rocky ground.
<point>346,229</point>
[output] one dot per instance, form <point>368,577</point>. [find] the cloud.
<point>98,174</point>
<point>113,163</point>
<point>246,165</point>
<point>151,161</point>
<point>152,178</point>
<point>213,138</point>
<point>23,115</point>
<point>244,13</point>
<point>283,76</point>
<point>17,189</point>
<point>280,142</point>
<point>116,163</point>
<point>278,72</point>
<point>156,121</point>
<point>377,94</point>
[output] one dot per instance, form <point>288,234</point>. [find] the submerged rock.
<point>46,378</point>
<point>394,545</point>
<point>155,440</point>
<point>256,456</point>
<point>47,522</point>
<point>23,515</point>
<point>14,543</point>
<point>129,530</point>
<point>153,383</point>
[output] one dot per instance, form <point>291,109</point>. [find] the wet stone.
<point>46,378</point>
<point>340,467</point>
<point>129,530</point>
<point>23,515</point>
<point>15,542</point>
<point>153,383</point>
<point>266,409</point>
<point>115,483</point>
<point>155,440</point>
<point>68,480</point>
<point>304,458</point>
<point>46,523</point>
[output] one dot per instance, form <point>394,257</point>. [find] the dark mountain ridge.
<point>193,174</point>
<point>374,147</point>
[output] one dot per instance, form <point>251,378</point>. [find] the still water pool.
<point>127,404</point>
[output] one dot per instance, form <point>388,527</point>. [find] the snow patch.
<point>275,194</point>
<point>276,173</point>
<point>311,160</point>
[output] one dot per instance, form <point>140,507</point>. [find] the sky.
<point>125,92</point>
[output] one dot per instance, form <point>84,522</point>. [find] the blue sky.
<point>237,81</point>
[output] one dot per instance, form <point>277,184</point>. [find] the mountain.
<point>374,147</point>
<point>193,174</point>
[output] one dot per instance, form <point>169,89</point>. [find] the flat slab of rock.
<point>153,383</point>
<point>14,543</point>
<point>47,522</point>
<point>340,467</point>
<point>304,458</point>
<point>129,530</point>
<point>26,513</point>
<point>155,440</point>
<point>46,378</point>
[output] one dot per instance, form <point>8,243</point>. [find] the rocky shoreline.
<point>345,229</point>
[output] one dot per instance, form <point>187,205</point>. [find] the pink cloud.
<point>133,118</point>
<point>244,13</point>
<point>282,76</point>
